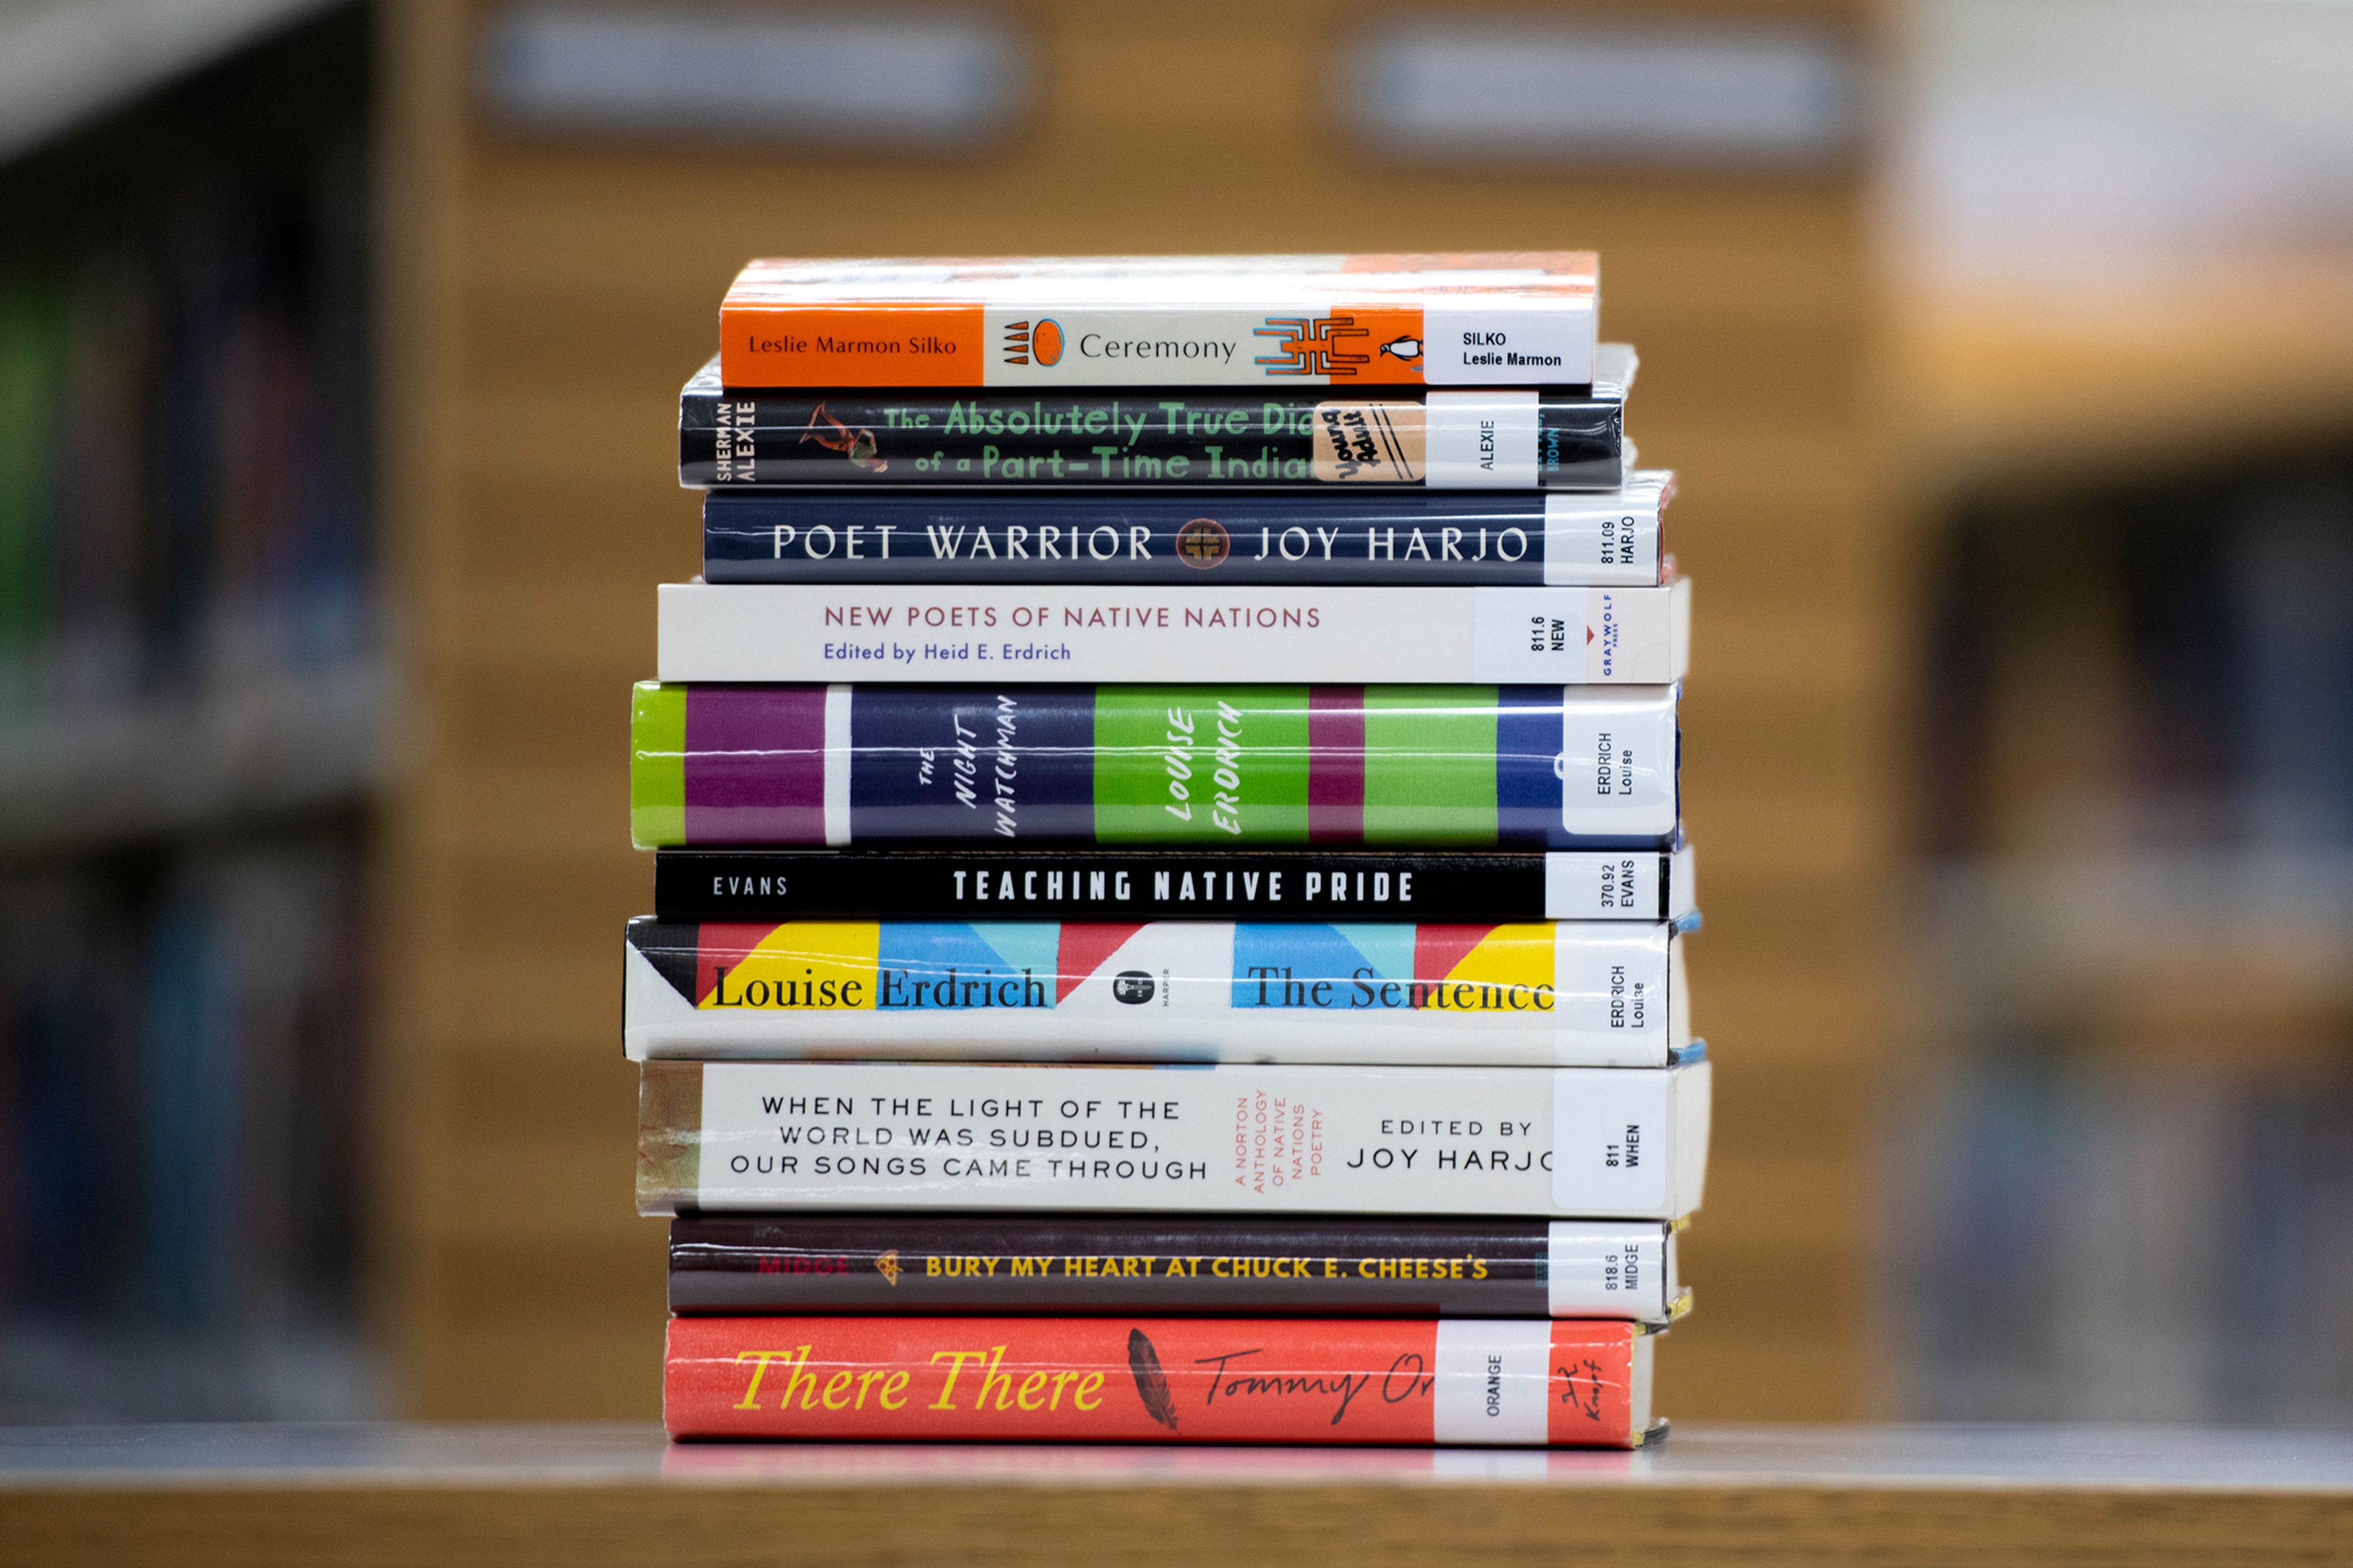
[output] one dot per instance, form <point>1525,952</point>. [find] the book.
<point>1087,632</point>
<point>1561,767</point>
<point>1491,1383</point>
<point>1573,1142</point>
<point>1504,317</point>
<point>1397,539</point>
<point>1090,1265</point>
<point>1185,884</point>
<point>1165,436</point>
<point>1582,994</point>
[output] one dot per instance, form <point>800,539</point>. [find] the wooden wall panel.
<point>555,294</point>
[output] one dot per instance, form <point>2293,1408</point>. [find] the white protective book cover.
<point>1574,994</point>
<point>1152,633</point>
<point>1593,1142</point>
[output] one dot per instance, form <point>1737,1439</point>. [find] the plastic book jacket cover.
<point>775,884</point>
<point>1090,1265</point>
<point>762,1136</point>
<point>1514,318</point>
<point>1563,1382</point>
<point>1263,439</point>
<point>1590,993</point>
<point>1565,538</point>
<point>1181,765</point>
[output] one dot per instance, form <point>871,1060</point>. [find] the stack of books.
<point>1170,884</point>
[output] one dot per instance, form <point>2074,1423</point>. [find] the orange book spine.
<point>896,344</point>
<point>1567,1383</point>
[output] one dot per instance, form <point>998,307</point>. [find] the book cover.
<point>1503,317</point>
<point>1180,884</point>
<point>1184,766</point>
<point>1564,1382</point>
<point>1092,632</point>
<point>1161,438</point>
<point>1582,994</point>
<point>1581,1142</point>
<point>1564,539</point>
<point>1091,1265</point>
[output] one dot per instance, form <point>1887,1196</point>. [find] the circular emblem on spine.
<point>1046,341</point>
<point>1131,987</point>
<point>1203,543</point>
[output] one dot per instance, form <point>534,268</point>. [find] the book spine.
<point>1334,766</point>
<point>1156,329</point>
<point>1589,994</point>
<point>1599,539</point>
<point>1170,437</point>
<point>1089,1266</point>
<point>1258,884</point>
<point>1485,1382</point>
<point>1089,633</point>
<point>1582,1142</point>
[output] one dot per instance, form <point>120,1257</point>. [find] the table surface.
<point>604,1453</point>
<point>507,1496</point>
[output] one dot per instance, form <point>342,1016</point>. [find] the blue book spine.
<point>1598,538</point>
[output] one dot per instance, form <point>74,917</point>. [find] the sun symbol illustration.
<point>1403,348</point>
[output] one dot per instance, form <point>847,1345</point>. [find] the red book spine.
<point>1567,1383</point>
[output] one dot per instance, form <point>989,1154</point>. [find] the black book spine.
<point>1173,884</point>
<point>1188,437</point>
<point>1399,539</point>
<point>1082,1265</point>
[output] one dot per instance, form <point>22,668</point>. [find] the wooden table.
<point>583,1494</point>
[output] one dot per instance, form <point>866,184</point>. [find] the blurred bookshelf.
<point>194,702</point>
<point>2121,1164</point>
<point>2115,1160</point>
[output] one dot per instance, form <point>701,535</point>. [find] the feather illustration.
<point>1151,1383</point>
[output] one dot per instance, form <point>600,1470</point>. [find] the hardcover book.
<point>1092,1265</point>
<point>1089,633</point>
<point>1162,437</point>
<point>1444,537</point>
<point>1571,1143</point>
<point>1483,319</point>
<point>1587,993</point>
<point>1567,1383</point>
<point>1563,767</point>
<point>1182,884</point>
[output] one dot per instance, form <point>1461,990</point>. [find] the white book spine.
<point>1598,1142</point>
<point>1158,633</point>
<point>1607,993</point>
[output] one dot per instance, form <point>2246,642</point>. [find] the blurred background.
<point>2004,347</point>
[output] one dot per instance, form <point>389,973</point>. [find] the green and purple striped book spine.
<point>1401,765</point>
